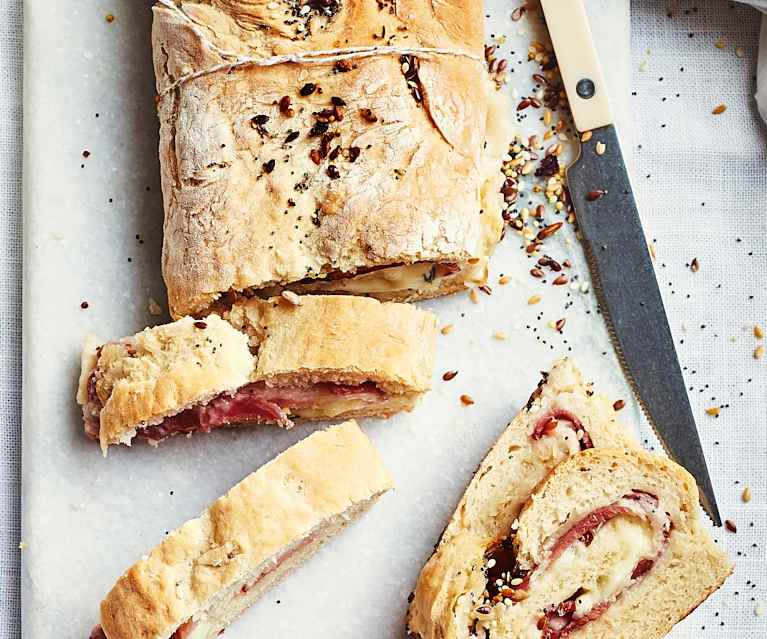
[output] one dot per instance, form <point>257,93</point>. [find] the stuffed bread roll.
<point>562,417</point>
<point>268,361</point>
<point>206,573</point>
<point>610,545</point>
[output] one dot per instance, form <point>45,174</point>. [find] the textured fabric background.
<point>10,313</point>
<point>701,180</point>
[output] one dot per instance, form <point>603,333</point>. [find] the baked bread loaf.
<point>353,166</point>
<point>269,361</point>
<point>562,417</point>
<point>609,545</point>
<point>212,568</point>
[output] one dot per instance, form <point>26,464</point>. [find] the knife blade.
<point>616,248</point>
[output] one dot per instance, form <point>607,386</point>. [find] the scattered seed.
<point>592,196</point>
<point>759,352</point>
<point>523,104</point>
<point>549,230</point>
<point>486,289</point>
<point>333,172</point>
<point>109,18</point>
<point>200,324</point>
<point>534,300</point>
<point>695,265</point>
<point>729,524</point>
<point>561,280</point>
<point>517,14</point>
<point>474,296</point>
<point>739,52</point>
<point>547,118</point>
<point>503,280</point>
<point>500,335</point>
<point>536,272</point>
<point>746,496</point>
<point>586,136</point>
<point>291,298</point>
<point>719,44</point>
<point>84,305</point>
<point>308,89</point>
<point>560,324</point>
<point>718,110</point>
<point>284,105</point>
<point>713,411</point>
<point>758,332</point>
<point>447,328</point>
<point>532,247</point>
<point>653,254</point>
<point>447,376</point>
<point>600,148</point>
<point>154,308</point>
<point>466,400</point>
<point>368,115</point>
<point>619,405</point>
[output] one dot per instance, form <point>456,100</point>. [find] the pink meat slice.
<point>548,422</point>
<point>560,621</point>
<point>255,402</point>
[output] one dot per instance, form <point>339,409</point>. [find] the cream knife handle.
<point>578,63</point>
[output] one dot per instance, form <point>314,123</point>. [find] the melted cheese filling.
<point>558,445</point>
<point>601,570</point>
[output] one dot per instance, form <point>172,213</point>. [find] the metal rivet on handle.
<point>585,88</point>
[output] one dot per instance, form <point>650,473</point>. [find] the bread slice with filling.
<point>207,572</point>
<point>609,545</point>
<point>267,361</point>
<point>562,417</point>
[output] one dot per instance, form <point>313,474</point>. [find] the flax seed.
<point>466,400</point>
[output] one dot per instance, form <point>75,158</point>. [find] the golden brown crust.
<point>359,338</point>
<point>163,370</point>
<point>497,492</point>
<point>272,509</point>
<point>411,194</point>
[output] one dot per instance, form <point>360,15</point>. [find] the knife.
<point>616,248</point>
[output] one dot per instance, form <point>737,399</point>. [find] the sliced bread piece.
<point>562,417</point>
<point>313,357</point>
<point>610,545</point>
<point>212,568</point>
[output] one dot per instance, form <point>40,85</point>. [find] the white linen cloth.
<point>761,83</point>
<point>684,158</point>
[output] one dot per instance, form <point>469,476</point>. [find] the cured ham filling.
<point>254,402</point>
<point>631,534</point>
<point>565,426</point>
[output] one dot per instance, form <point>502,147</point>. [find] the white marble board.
<point>93,233</point>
